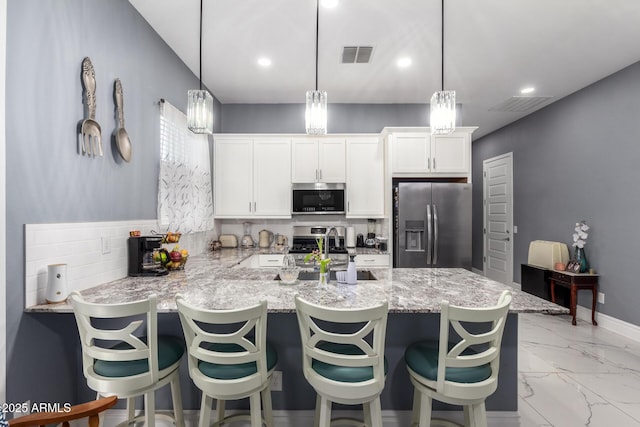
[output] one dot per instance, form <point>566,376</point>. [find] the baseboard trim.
<point>390,418</point>
<point>620,327</point>
<point>477,271</point>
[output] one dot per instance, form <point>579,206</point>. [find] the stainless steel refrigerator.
<point>432,224</point>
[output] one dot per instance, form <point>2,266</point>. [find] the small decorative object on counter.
<point>318,256</point>
<point>579,241</point>
<point>56,283</point>
<point>214,245</point>
<point>352,274</point>
<point>134,233</point>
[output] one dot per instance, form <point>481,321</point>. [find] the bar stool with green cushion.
<point>343,358</point>
<point>461,369</point>
<point>229,358</point>
<point>117,362</point>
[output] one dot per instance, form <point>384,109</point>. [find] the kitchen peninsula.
<point>215,280</point>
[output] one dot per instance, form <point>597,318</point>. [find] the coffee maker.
<point>141,259</point>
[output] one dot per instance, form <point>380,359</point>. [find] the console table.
<point>575,282</point>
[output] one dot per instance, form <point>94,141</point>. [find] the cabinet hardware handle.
<point>249,206</point>
<point>254,207</point>
<point>320,174</point>
<point>434,164</point>
<point>428,163</point>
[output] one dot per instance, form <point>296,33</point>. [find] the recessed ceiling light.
<point>404,62</point>
<point>527,90</point>
<point>329,3</point>
<point>264,62</point>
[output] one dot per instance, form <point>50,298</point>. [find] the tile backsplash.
<point>80,246</point>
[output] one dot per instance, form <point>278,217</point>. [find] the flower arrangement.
<point>580,235</point>
<point>318,256</point>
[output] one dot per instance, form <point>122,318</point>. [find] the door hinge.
<point>484,174</point>
<point>484,230</point>
<point>484,259</point>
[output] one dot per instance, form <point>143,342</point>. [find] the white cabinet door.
<point>304,162</point>
<point>365,178</point>
<point>450,153</point>
<point>272,178</point>
<point>411,153</point>
<point>318,160</point>
<point>331,160</point>
<point>377,260</point>
<point>233,175</point>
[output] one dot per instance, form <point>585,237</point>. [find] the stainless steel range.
<point>304,242</point>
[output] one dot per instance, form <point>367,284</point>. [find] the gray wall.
<point>577,159</point>
<point>48,181</point>
<point>341,118</point>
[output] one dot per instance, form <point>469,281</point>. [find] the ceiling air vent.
<point>356,54</point>
<point>520,104</point>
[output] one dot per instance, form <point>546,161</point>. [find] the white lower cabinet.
<point>375,260</point>
<point>365,178</point>
<point>270,260</point>
<point>252,177</point>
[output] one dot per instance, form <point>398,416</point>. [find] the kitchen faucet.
<point>326,241</point>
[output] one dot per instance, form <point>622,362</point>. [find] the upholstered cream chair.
<point>232,363</point>
<point>117,362</point>
<point>461,368</point>
<point>344,362</point>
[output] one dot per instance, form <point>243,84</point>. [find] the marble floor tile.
<point>576,375</point>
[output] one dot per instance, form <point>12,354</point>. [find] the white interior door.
<point>498,218</point>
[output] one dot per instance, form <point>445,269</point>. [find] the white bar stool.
<point>344,367</point>
<point>229,364</point>
<point>116,362</point>
<point>462,369</point>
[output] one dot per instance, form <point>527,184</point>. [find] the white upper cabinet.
<point>252,177</point>
<point>450,153</point>
<point>420,154</point>
<point>318,160</point>
<point>411,152</point>
<point>365,178</point>
<point>233,177</point>
<point>272,177</point>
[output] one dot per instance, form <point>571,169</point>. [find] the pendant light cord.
<point>442,46</point>
<point>200,71</point>
<point>317,31</point>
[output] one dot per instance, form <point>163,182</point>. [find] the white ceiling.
<point>493,48</point>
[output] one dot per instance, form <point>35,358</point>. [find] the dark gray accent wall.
<point>48,181</point>
<point>341,118</point>
<point>577,159</point>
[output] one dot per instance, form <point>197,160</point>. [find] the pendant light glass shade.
<point>200,111</point>
<point>200,102</point>
<point>443,112</point>
<point>316,112</point>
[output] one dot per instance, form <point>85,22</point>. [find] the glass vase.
<point>323,277</point>
<point>581,258</point>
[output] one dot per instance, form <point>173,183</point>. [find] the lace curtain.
<point>184,187</point>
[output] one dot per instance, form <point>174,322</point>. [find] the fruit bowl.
<point>176,264</point>
<point>171,237</point>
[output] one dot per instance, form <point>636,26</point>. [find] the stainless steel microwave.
<point>318,198</point>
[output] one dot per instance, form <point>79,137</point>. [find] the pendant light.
<point>200,102</point>
<point>443,102</point>
<point>316,111</point>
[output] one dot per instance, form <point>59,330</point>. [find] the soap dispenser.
<point>352,275</point>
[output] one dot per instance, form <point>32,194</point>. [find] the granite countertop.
<point>215,281</point>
